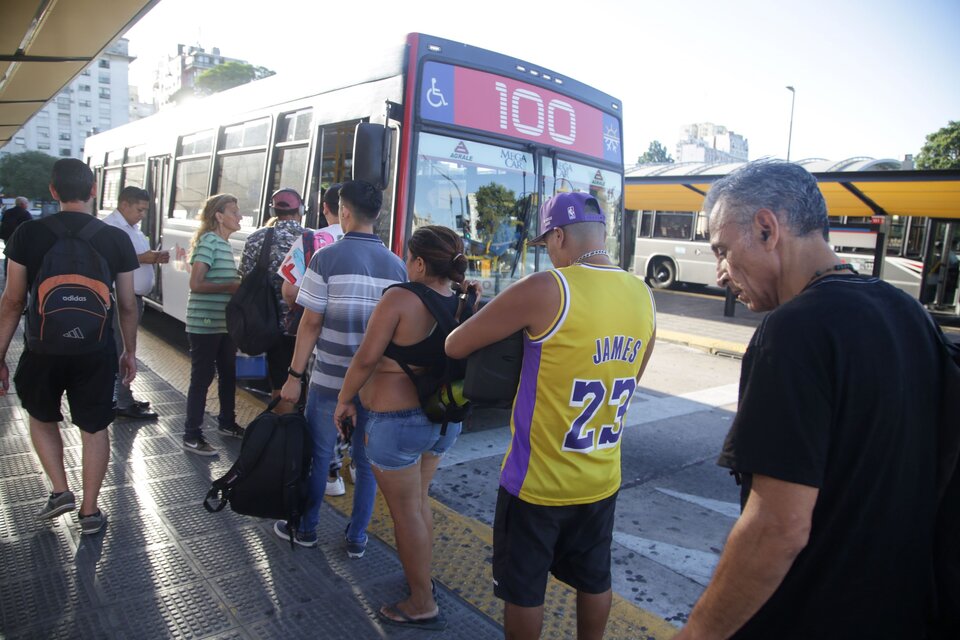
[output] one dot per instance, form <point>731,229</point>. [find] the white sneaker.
<point>335,487</point>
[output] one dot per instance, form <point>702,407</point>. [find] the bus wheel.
<point>663,274</point>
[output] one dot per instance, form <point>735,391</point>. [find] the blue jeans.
<point>320,408</point>
<point>396,439</point>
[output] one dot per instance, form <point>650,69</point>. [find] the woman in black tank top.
<point>403,446</point>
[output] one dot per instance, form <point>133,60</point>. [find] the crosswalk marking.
<point>693,564</point>
<point>729,509</point>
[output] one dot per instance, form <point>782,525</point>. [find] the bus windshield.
<point>482,191</point>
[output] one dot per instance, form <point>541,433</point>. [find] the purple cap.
<point>286,200</point>
<point>567,208</point>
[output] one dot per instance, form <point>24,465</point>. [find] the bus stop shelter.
<point>857,188</point>
<point>44,44</point>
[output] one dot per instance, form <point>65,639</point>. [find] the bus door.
<point>941,267</point>
<point>152,225</point>
<point>332,164</point>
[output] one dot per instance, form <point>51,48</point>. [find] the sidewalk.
<point>697,320</point>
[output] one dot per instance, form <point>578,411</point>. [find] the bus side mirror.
<point>371,145</point>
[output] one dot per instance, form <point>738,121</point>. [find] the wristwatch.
<point>295,374</point>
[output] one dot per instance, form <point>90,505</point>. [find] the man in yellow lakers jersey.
<point>588,333</point>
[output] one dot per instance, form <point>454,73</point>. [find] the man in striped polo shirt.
<point>340,288</point>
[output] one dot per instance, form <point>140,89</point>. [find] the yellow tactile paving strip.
<point>463,547</point>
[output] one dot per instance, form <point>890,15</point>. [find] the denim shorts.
<point>396,439</point>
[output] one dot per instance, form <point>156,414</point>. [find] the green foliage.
<point>655,153</point>
<point>229,75</point>
<point>27,174</point>
<point>495,204</point>
<point>942,149</point>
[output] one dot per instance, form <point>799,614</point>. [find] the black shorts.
<point>530,540</point>
<point>279,359</point>
<point>87,379</point>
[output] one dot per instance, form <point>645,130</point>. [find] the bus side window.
<point>703,228</point>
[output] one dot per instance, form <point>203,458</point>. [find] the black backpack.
<point>441,389</point>
<point>253,314</point>
<point>270,478</point>
<point>69,309</point>
<point>493,373</point>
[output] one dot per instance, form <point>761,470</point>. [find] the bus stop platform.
<point>164,567</point>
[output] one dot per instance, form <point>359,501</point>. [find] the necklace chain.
<point>590,254</point>
<point>843,266</point>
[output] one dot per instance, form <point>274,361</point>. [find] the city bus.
<point>453,134</point>
<point>673,247</point>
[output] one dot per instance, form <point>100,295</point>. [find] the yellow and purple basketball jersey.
<point>576,382</point>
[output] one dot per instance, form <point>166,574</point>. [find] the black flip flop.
<point>436,623</point>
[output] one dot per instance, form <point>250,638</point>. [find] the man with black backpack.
<point>68,262</point>
<point>286,205</point>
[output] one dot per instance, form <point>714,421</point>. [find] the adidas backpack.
<point>253,314</point>
<point>441,389</point>
<point>69,308</point>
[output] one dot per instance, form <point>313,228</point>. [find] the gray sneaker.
<point>57,505</point>
<point>199,446</point>
<point>93,523</point>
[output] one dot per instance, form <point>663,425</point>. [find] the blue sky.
<point>871,78</point>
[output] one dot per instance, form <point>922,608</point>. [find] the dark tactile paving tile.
<point>188,521</point>
<point>266,590</point>
<point>20,520</point>
<point>10,413</point>
<point>11,444</point>
<point>186,490</point>
<point>20,464</point>
<point>145,571</point>
<point>42,550</point>
<point>156,467</point>
<point>118,500</point>
<point>187,611</point>
<point>14,429</point>
<point>339,617</point>
<point>23,489</point>
<point>72,457</point>
<point>79,626</point>
<point>48,595</point>
<point>226,551</point>
<point>134,532</point>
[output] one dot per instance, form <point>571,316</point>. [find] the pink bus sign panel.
<point>503,106</point>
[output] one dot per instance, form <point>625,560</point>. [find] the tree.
<point>942,149</point>
<point>655,153</point>
<point>229,75</point>
<point>495,203</point>
<point>27,174</point>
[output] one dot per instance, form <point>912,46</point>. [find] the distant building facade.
<point>176,77</point>
<point>710,143</point>
<point>96,100</point>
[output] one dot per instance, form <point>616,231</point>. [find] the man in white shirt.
<point>132,206</point>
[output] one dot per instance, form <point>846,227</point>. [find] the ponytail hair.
<point>208,216</point>
<point>441,250</point>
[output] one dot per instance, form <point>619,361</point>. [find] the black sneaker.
<point>232,431</point>
<point>198,446</point>
<point>282,529</point>
<point>93,523</point>
<point>354,549</point>
<point>57,505</point>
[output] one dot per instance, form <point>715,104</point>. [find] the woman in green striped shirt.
<point>213,279</point>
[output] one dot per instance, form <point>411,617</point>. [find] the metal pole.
<point>793,99</point>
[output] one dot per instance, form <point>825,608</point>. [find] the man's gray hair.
<point>20,201</point>
<point>787,189</point>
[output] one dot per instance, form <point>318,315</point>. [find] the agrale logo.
<point>461,153</point>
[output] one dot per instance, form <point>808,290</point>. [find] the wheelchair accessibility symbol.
<point>435,96</point>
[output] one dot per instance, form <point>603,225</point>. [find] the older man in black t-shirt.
<point>87,379</point>
<point>834,440</point>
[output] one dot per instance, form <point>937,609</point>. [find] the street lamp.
<point>793,99</point>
